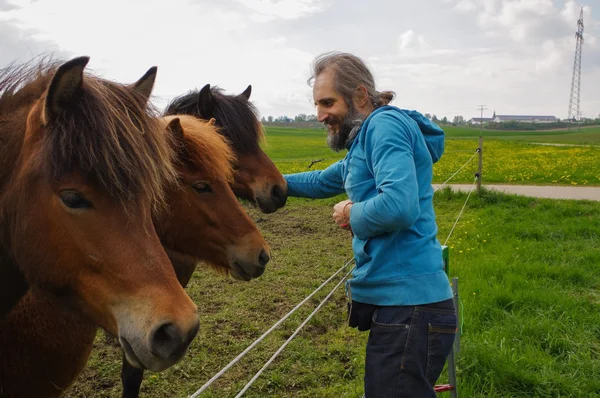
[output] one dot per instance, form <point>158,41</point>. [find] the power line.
<point>481,108</point>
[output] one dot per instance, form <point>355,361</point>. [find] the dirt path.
<point>552,192</point>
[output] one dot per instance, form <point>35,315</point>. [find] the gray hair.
<point>350,73</point>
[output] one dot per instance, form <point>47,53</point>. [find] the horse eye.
<point>202,187</point>
<point>74,200</point>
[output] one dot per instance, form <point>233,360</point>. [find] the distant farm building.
<point>515,118</point>
<point>525,119</point>
<point>479,120</point>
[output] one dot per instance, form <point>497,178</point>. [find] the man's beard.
<point>348,129</point>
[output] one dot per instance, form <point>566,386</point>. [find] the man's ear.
<point>361,96</point>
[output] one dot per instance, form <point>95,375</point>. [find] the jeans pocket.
<point>386,351</point>
<point>389,332</point>
<point>393,317</point>
<point>440,340</point>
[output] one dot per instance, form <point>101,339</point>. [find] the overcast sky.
<point>440,56</point>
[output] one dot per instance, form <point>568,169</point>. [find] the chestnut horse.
<point>83,166</point>
<point>204,222</point>
<point>257,179</point>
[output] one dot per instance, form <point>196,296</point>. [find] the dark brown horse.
<point>204,222</point>
<point>257,179</point>
<point>83,166</point>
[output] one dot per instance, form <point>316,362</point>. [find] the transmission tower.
<point>576,80</point>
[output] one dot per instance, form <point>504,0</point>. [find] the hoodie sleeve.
<point>317,184</point>
<point>389,156</point>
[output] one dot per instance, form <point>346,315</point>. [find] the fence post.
<point>480,169</point>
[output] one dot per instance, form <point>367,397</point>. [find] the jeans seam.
<point>430,331</point>
<point>408,336</point>
<point>427,365</point>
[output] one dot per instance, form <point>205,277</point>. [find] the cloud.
<point>192,48</point>
<point>409,41</point>
<point>17,45</point>
<point>465,5</point>
<point>268,10</point>
<point>5,5</point>
<point>444,57</point>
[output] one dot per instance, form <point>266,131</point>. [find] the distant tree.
<point>263,120</point>
<point>459,119</point>
<point>300,118</point>
<point>434,119</point>
<point>445,120</point>
<point>270,119</point>
<point>311,118</point>
<point>428,116</point>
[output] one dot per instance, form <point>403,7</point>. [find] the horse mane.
<point>110,133</point>
<point>237,117</point>
<point>22,84</point>
<point>205,148</point>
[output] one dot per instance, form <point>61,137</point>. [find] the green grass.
<point>584,135</point>
<point>513,161</point>
<point>528,283</point>
<point>528,280</point>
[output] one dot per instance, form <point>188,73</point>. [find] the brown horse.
<point>257,179</point>
<point>83,166</point>
<point>204,222</point>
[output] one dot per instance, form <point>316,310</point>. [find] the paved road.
<point>552,192</point>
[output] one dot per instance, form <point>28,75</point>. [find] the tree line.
<point>457,121</point>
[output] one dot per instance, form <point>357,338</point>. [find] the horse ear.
<point>212,121</point>
<point>64,88</point>
<point>247,92</point>
<point>205,102</point>
<point>145,85</point>
<point>176,130</point>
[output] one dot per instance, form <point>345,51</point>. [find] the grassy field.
<point>504,161</point>
<point>528,281</point>
<point>587,135</point>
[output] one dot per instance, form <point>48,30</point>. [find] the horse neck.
<point>13,285</point>
<point>12,131</point>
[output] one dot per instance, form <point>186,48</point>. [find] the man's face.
<point>333,111</point>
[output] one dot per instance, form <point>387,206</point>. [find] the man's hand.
<point>341,214</point>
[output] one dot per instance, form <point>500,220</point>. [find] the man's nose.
<point>321,116</point>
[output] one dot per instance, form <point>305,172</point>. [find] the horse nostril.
<point>167,340</point>
<point>263,258</point>
<point>278,195</point>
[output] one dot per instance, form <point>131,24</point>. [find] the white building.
<point>524,119</point>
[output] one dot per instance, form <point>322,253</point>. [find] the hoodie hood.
<point>433,134</point>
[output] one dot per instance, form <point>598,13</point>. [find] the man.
<point>399,290</point>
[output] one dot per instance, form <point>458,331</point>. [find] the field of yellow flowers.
<point>510,162</point>
<point>520,163</point>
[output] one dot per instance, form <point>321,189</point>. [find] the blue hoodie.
<point>387,174</point>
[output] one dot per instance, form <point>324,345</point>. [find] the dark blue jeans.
<point>407,347</point>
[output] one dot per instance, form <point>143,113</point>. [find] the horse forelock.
<point>205,148</point>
